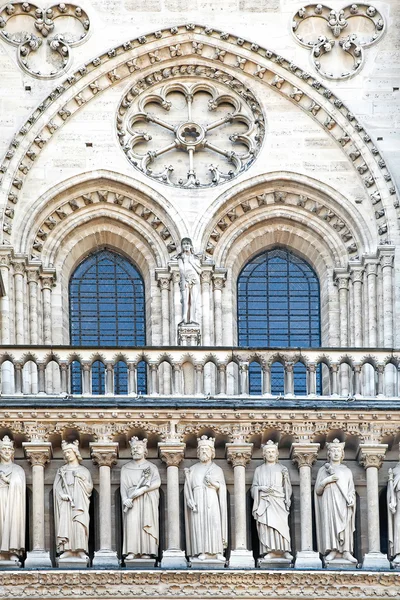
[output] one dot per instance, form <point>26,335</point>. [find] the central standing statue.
<point>140,483</point>
<point>335,507</point>
<point>190,270</point>
<point>12,505</point>
<point>271,491</point>
<point>72,490</point>
<point>206,516</point>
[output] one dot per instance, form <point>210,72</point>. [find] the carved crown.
<point>135,441</point>
<point>6,442</point>
<point>205,441</point>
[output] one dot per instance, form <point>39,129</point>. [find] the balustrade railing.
<point>198,371</point>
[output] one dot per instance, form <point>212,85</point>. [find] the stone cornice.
<point>184,584</point>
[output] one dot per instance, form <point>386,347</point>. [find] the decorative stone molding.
<point>37,453</point>
<point>337,23</point>
<point>80,87</point>
<point>304,454</point>
<point>194,133</point>
<point>104,454</point>
<point>172,453</point>
<point>239,455</point>
<point>39,24</point>
<point>372,455</point>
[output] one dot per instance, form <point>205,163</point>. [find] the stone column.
<point>304,454</point>
<point>219,282</point>
<point>177,304</point>
<point>387,280</point>
<point>205,300</point>
<point>371,456</point>
<point>357,279</point>
<point>172,453</point>
<point>33,280</point>
<point>38,454</point>
<point>5,299</point>
<point>163,280</point>
<point>239,454</point>
<point>342,282</point>
<point>105,454</point>
<point>47,284</point>
<point>19,296</point>
<point>372,304</point>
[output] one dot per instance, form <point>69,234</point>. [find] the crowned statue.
<point>72,490</point>
<point>393,501</point>
<point>140,483</point>
<point>189,270</point>
<point>271,491</point>
<point>206,516</point>
<point>335,507</point>
<point>12,506</point>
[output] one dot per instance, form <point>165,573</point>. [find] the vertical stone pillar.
<point>342,282</point>
<point>239,455</point>
<point>105,454</point>
<point>33,280</point>
<point>163,280</point>
<point>205,300</point>
<point>387,281</point>
<point>219,282</point>
<point>177,318</point>
<point>47,284</point>
<point>357,279</point>
<point>304,455</point>
<point>371,456</point>
<point>371,270</point>
<point>38,454</point>
<point>5,298</point>
<point>172,453</point>
<point>19,296</point>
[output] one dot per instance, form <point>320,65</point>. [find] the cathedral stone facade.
<point>199,299</point>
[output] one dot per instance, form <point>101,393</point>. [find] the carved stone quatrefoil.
<point>337,38</point>
<point>43,36</point>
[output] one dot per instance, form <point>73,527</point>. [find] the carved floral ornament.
<point>208,133</point>
<point>355,27</point>
<point>28,27</point>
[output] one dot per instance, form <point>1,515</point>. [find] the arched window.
<point>106,296</point>
<point>278,305</point>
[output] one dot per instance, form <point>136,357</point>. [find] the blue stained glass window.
<point>278,305</point>
<point>107,308</point>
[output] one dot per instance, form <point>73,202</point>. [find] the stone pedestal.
<point>189,334</point>
<point>140,563</point>
<point>274,563</point>
<point>10,564</point>
<point>72,562</point>
<point>207,563</point>
<point>340,564</point>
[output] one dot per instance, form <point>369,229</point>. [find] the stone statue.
<point>393,501</point>
<point>12,505</point>
<point>72,490</point>
<point>335,507</point>
<point>206,516</point>
<point>190,270</point>
<point>140,483</point>
<point>271,491</point>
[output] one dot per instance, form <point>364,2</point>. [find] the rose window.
<point>191,135</point>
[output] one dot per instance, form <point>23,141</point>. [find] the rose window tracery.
<point>191,134</point>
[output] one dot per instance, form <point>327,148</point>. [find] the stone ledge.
<point>198,584</point>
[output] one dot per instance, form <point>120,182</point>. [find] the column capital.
<point>304,454</point>
<point>38,453</point>
<point>206,275</point>
<point>371,268</point>
<point>32,274</point>
<point>104,454</point>
<point>342,280</point>
<point>387,261</point>
<point>163,279</point>
<point>5,258</point>
<point>47,280</point>
<point>219,280</point>
<point>19,266</point>
<point>372,455</point>
<point>357,275</point>
<point>238,454</point>
<point>171,453</point>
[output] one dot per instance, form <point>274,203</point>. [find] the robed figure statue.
<point>140,484</point>
<point>206,516</point>
<point>335,507</point>
<point>393,501</point>
<point>189,270</point>
<point>72,490</point>
<point>272,491</point>
<point>12,505</point>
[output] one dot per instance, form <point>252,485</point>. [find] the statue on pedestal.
<point>271,490</point>
<point>206,516</point>
<point>12,505</point>
<point>335,507</point>
<point>393,500</point>
<point>190,270</point>
<point>140,483</point>
<point>72,490</point>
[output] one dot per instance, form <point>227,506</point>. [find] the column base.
<point>173,559</point>
<point>105,559</point>
<point>10,564</point>
<point>72,562</point>
<point>140,563</point>
<point>207,563</point>
<point>241,559</point>
<point>38,559</point>
<point>274,563</point>
<point>307,559</point>
<point>375,560</point>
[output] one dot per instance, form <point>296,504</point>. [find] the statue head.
<point>71,451</point>
<point>6,449</point>
<point>335,451</point>
<point>186,245</point>
<point>205,448</point>
<point>270,452</point>
<point>138,448</point>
